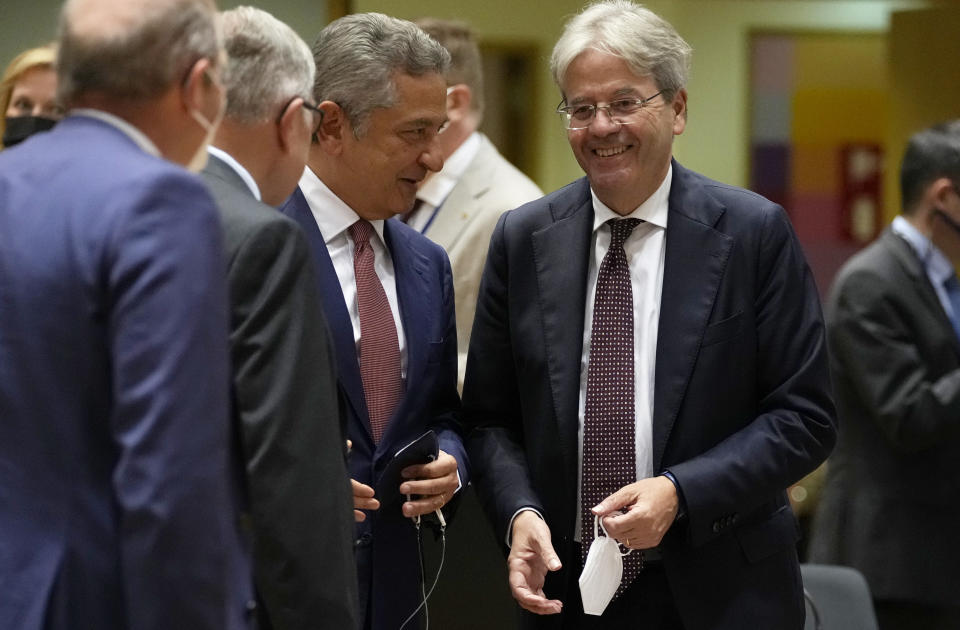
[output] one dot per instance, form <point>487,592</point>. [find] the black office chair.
<point>838,598</point>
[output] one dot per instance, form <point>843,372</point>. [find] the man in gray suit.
<point>284,378</point>
<point>458,207</point>
<point>889,507</point>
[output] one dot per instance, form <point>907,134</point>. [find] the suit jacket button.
<point>364,540</point>
<point>716,527</point>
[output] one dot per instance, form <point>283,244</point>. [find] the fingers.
<point>534,602</point>
<point>444,466</point>
<point>433,484</point>
<point>363,497</point>
<point>425,504</point>
<point>620,499</point>
<point>531,556</point>
<point>359,516</point>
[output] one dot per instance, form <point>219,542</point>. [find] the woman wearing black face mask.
<point>28,94</point>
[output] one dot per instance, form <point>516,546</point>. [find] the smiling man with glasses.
<point>647,358</point>
<point>283,375</point>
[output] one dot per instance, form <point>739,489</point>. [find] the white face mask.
<point>199,159</point>
<point>602,572</point>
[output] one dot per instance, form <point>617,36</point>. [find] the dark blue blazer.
<point>386,546</point>
<point>117,501</point>
<point>742,403</point>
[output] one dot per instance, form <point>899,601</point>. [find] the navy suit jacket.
<point>386,545</point>
<point>742,403</point>
<point>117,496</point>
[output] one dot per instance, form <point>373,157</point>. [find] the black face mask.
<point>19,128</point>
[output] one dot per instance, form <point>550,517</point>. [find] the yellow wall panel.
<point>840,61</point>
<point>831,115</point>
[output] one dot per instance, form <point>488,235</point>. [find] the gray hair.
<point>647,42</point>
<point>132,50</point>
<point>267,64</point>
<point>357,57</point>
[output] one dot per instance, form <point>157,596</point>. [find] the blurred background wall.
<point>809,102</point>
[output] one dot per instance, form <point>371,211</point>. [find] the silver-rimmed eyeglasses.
<point>619,111</point>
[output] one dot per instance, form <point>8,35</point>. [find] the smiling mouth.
<point>610,151</point>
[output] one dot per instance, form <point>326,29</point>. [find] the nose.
<point>603,123</point>
<point>432,158</point>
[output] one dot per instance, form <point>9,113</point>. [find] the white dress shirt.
<point>645,250</point>
<point>645,254</point>
<point>333,217</point>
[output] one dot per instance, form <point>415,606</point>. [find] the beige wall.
<point>716,139</point>
<point>717,136</point>
<point>924,83</point>
<point>27,23</point>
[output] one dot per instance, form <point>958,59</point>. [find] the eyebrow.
<point>619,93</point>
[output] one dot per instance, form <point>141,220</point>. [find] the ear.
<point>459,100</point>
<point>679,107</point>
<point>290,126</point>
<point>939,192</point>
<point>334,129</point>
<point>196,86</point>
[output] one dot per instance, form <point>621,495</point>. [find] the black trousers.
<point>647,604</point>
<point>899,615</point>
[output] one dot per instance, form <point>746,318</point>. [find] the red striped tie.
<point>379,345</point>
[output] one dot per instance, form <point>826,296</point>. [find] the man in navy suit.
<point>284,373</point>
<point>694,300</point>
<point>117,483</point>
<point>387,290</point>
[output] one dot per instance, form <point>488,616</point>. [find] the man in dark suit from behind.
<point>889,506</point>
<point>118,506</point>
<point>648,355</point>
<point>284,375</point>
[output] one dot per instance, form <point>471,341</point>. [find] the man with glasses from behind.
<point>284,376</point>
<point>647,360</point>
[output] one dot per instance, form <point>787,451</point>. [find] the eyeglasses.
<point>317,115</point>
<point>307,105</point>
<point>618,111</point>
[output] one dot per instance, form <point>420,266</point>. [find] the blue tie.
<point>952,286</point>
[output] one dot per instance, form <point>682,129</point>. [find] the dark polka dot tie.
<point>609,458</point>
<point>379,344</point>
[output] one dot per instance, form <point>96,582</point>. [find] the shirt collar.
<point>332,215</point>
<point>238,169</point>
<point>933,259</point>
<point>654,210</point>
<point>138,137</point>
<point>435,190</point>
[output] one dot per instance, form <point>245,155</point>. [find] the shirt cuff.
<point>509,535</point>
<point>681,503</point>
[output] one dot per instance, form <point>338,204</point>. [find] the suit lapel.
<point>695,258</point>
<point>461,204</point>
<point>904,253</point>
<point>561,252</point>
<point>334,307</point>
<point>414,292</point>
